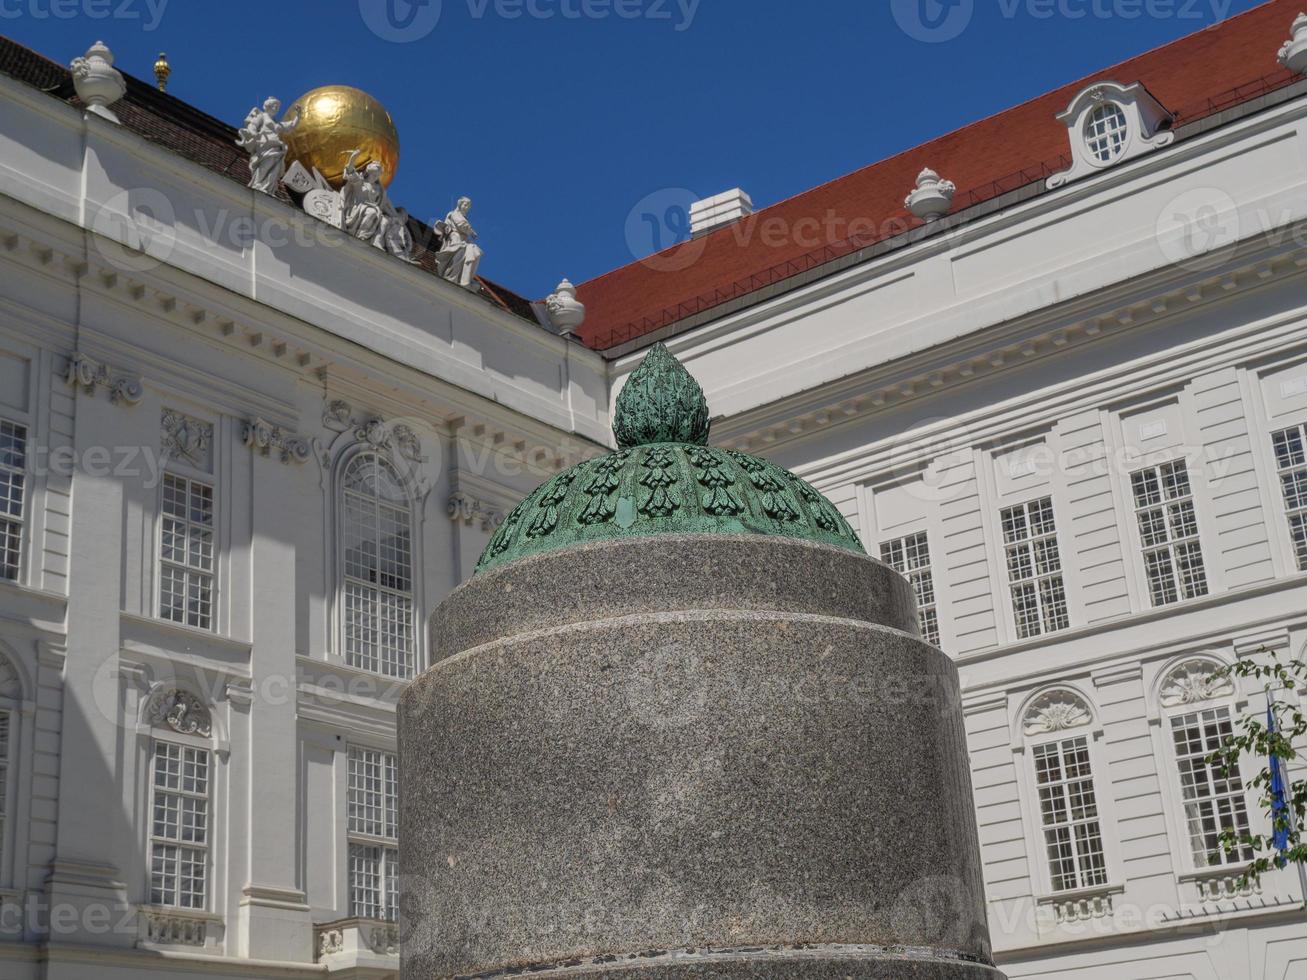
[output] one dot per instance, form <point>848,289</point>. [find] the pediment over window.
<point>1194,681</point>
<point>1056,711</point>
<point>1108,124</point>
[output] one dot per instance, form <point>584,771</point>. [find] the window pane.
<point>1034,566</point>
<point>186,552</point>
<point>179,826</point>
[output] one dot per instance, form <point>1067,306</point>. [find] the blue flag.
<point>1280,814</point>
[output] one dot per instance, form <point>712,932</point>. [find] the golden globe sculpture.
<point>334,121</point>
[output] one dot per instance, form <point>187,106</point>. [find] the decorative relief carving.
<point>1193,682</point>
<point>89,374</point>
<point>1056,711</point>
<point>374,430</point>
<point>11,684</point>
<point>330,941</point>
<point>467,509</point>
<point>181,711</point>
<point>187,439</point>
<point>263,437</point>
<point>384,940</point>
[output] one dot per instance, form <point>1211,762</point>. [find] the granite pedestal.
<point>687,756</point>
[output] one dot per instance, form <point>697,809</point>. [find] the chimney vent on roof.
<point>721,209</point>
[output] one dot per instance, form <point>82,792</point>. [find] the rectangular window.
<point>1212,802</point>
<point>186,552</point>
<point>1291,459</point>
<point>1168,531</point>
<point>373,805</point>
<point>1070,814</point>
<point>179,834</point>
<point>1034,568</point>
<point>13,486</point>
<point>911,556</point>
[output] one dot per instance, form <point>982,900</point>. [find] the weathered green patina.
<point>665,479</point>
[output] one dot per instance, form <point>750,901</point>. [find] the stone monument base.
<point>688,756</point>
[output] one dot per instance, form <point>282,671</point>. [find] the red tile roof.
<point>1193,77</point>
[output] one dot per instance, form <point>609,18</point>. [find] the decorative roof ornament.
<point>265,140</point>
<point>1293,55</point>
<point>162,71</point>
<point>336,120</point>
<point>1109,123</point>
<point>566,312</point>
<point>665,479</point>
<point>932,198</point>
<point>97,82</point>
<point>661,402</point>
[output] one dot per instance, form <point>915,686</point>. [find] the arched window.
<point>1057,725</point>
<point>377,568</point>
<point>1198,699</point>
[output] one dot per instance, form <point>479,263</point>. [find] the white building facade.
<point>241,463</point>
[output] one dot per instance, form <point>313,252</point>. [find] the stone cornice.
<point>1050,332</point>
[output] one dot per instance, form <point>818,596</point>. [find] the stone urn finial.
<point>932,198</point>
<point>97,82</point>
<point>1293,55</point>
<point>566,312</point>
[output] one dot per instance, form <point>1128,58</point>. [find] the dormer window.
<point>1105,132</point>
<point>1109,123</point>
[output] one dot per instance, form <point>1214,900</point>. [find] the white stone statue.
<point>364,201</point>
<point>1294,53</point>
<point>263,138</point>
<point>459,254</point>
<point>367,213</point>
<point>932,198</point>
<point>97,82</point>
<point>566,312</point>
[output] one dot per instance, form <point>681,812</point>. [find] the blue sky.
<point>567,120</point>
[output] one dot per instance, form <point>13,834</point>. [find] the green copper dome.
<point>665,479</point>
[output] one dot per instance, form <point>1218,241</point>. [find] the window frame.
<point>386,844</point>
<point>1297,553</point>
<point>161,564</point>
<point>24,521</point>
<point>910,574</point>
<point>1164,503</point>
<point>1176,780</point>
<point>1006,548</point>
<point>159,740</point>
<point>1060,740</point>
<point>339,564</point>
<point>1120,147</point>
